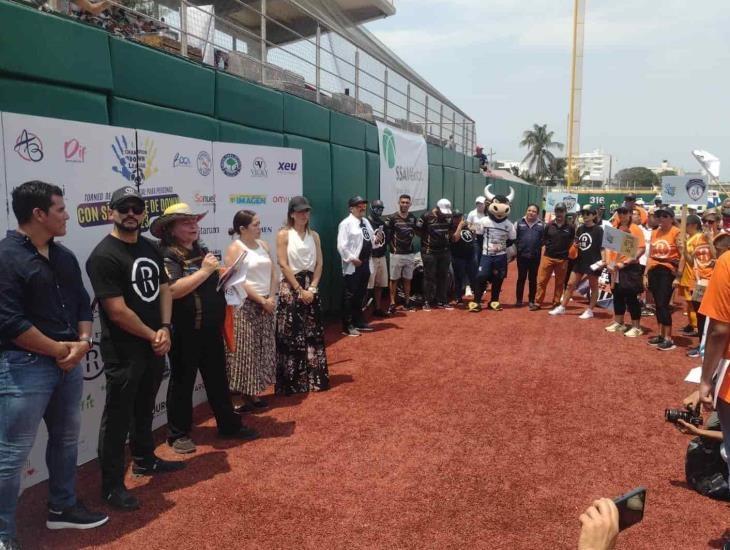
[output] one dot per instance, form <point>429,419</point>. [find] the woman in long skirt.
<point>251,361</point>
<point>301,364</point>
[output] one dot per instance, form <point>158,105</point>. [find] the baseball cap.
<point>710,213</point>
<point>658,199</point>
<point>357,199</point>
<point>623,210</point>
<point>630,197</point>
<point>124,193</point>
<point>299,204</point>
<point>481,199</point>
<point>591,209</point>
<point>560,207</point>
<point>444,205</point>
<point>664,208</point>
<point>694,219</point>
<point>726,212</point>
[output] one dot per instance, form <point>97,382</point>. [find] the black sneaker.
<point>391,309</point>
<point>350,331</point>
<point>365,327</point>
<point>9,543</point>
<point>426,306</point>
<point>121,499</point>
<point>244,432</point>
<point>447,306</point>
<point>690,333</point>
<point>75,517</point>
<point>155,465</point>
<point>666,345</point>
<point>379,313</point>
<point>410,307</point>
<point>655,340</point>
<point>693,352</point>
<point>533,307</point>
<point>686,330</point>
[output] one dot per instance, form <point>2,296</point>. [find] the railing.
<point>324,67</point>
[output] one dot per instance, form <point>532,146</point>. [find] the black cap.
<point>623,210</point>
<point>589,208</point>
<point>664,208</point>
<point>354,201</point>
<point>694,219</point>
<point>561,207</point>
<point>124,193</point>
<point>299,204</point>
<point>377,203</point>
<point>630,197</point>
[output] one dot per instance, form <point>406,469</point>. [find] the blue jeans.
<point>32,387</point>
<point>464,273</point>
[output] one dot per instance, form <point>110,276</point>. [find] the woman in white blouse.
<point>251,362</point>
<point>301,364</point>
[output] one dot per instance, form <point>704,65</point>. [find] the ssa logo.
<point>73,151</point>
<point>204,163</point>
<point>29,147</point>
<point>181,161</point>
<point>287,168</point>
<point>258,168</point>
<point>389,147</point>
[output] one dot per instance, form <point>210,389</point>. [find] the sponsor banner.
<point>678,190</point>
<point>403,167</point>
<point>257,178</point>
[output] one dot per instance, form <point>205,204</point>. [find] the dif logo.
<point>73,151</point>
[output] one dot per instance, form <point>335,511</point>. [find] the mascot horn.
<point>499,205</point>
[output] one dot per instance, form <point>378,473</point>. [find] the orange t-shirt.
<point>702,260</point>
<point>716,305</point>
<point>614,257</point>
<point>642,214</point>
<point>663,249</point>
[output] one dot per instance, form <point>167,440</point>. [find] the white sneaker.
<point>633,332</point>
<point>614,327</point>
<point>557,310</point>
<point>587,314</point>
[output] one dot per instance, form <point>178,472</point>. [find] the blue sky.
<point>656,81</point>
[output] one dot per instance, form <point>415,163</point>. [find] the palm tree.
<point>539,158</point>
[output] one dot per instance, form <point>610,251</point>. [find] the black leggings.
<point>660,284</point>
<point>625,298</point>
<point>700,318</point>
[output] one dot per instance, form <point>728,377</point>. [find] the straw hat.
<point>172,213</point>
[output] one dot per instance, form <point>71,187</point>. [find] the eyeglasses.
<point>125,208</point>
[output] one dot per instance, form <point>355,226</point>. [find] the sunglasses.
<point>125,208</point>
<point>709,221</point>
<point>662,215</point>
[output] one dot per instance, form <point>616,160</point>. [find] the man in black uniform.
<point>400,229</point>
<point>378,281</point>
<point>435,227</point>
<point>129,280</point>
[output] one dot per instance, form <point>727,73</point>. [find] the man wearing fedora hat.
<point>198,312</point>
<point>129,280</point>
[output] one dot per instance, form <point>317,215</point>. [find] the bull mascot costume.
<point>498,249</point>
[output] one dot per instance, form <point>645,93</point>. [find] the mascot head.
<point>499,205</point>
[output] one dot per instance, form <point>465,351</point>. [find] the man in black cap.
<point>378,281</point>
<point>129,279</point>
<point>557,237</point>
<point>355,244</point>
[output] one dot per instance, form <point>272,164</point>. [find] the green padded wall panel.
<point>449,183</point>
<point>435,185</point>
<point>435,155</point>
<point>346,130</point>
<point>373,175</point>
<point>235,133</point>
<point>46,47</point>
<point>317,183</point>
<point>36,98</point>
<point>134,114</point>
<point>371,138</point>
<point>243,102</point>
<point>348,177</point>
<point>304,118</point>
<point>459,190</point>
<point>150,75</point>
<point>465,162</point>
<point>475,165</point>
<point>449,157</point>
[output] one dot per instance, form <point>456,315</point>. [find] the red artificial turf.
<point>443,429</point>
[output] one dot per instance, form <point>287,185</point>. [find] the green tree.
<point>539,158</point>
<point>638,176</point>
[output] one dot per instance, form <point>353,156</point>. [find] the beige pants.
<point>548,266</point>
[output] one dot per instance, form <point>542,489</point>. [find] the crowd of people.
<point>244,329</point>
<point>156,299</point>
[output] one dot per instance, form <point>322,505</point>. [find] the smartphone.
<point>630,508</point>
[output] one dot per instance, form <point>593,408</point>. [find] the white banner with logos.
<point>679,190</point>
<point>403,167</point>
<point>554,197</point>
<point>257,178</point>
<point>90,161</point>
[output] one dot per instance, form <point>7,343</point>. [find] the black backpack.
<point>706,471</point>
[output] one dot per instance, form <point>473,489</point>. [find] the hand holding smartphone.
<point>630,507</point>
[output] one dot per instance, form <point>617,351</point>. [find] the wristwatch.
<point>168,326</point>
<point>88,339</point>
<point>312,289</point>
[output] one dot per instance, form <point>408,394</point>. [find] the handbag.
<point>631,278</point>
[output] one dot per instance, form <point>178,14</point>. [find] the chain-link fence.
<point>285,47</point>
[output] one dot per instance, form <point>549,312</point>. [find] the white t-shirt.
<point>496,235</point>
<point>474,217</point>
<point>259,264</point>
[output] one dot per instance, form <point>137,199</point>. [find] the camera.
<point>691,417</point>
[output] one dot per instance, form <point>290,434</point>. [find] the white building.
<point>666,167</point>
<point>594,166</point>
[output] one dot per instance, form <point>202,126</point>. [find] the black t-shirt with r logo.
<point>135,272</point>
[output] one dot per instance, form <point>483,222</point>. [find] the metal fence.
<point>319,64</point>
